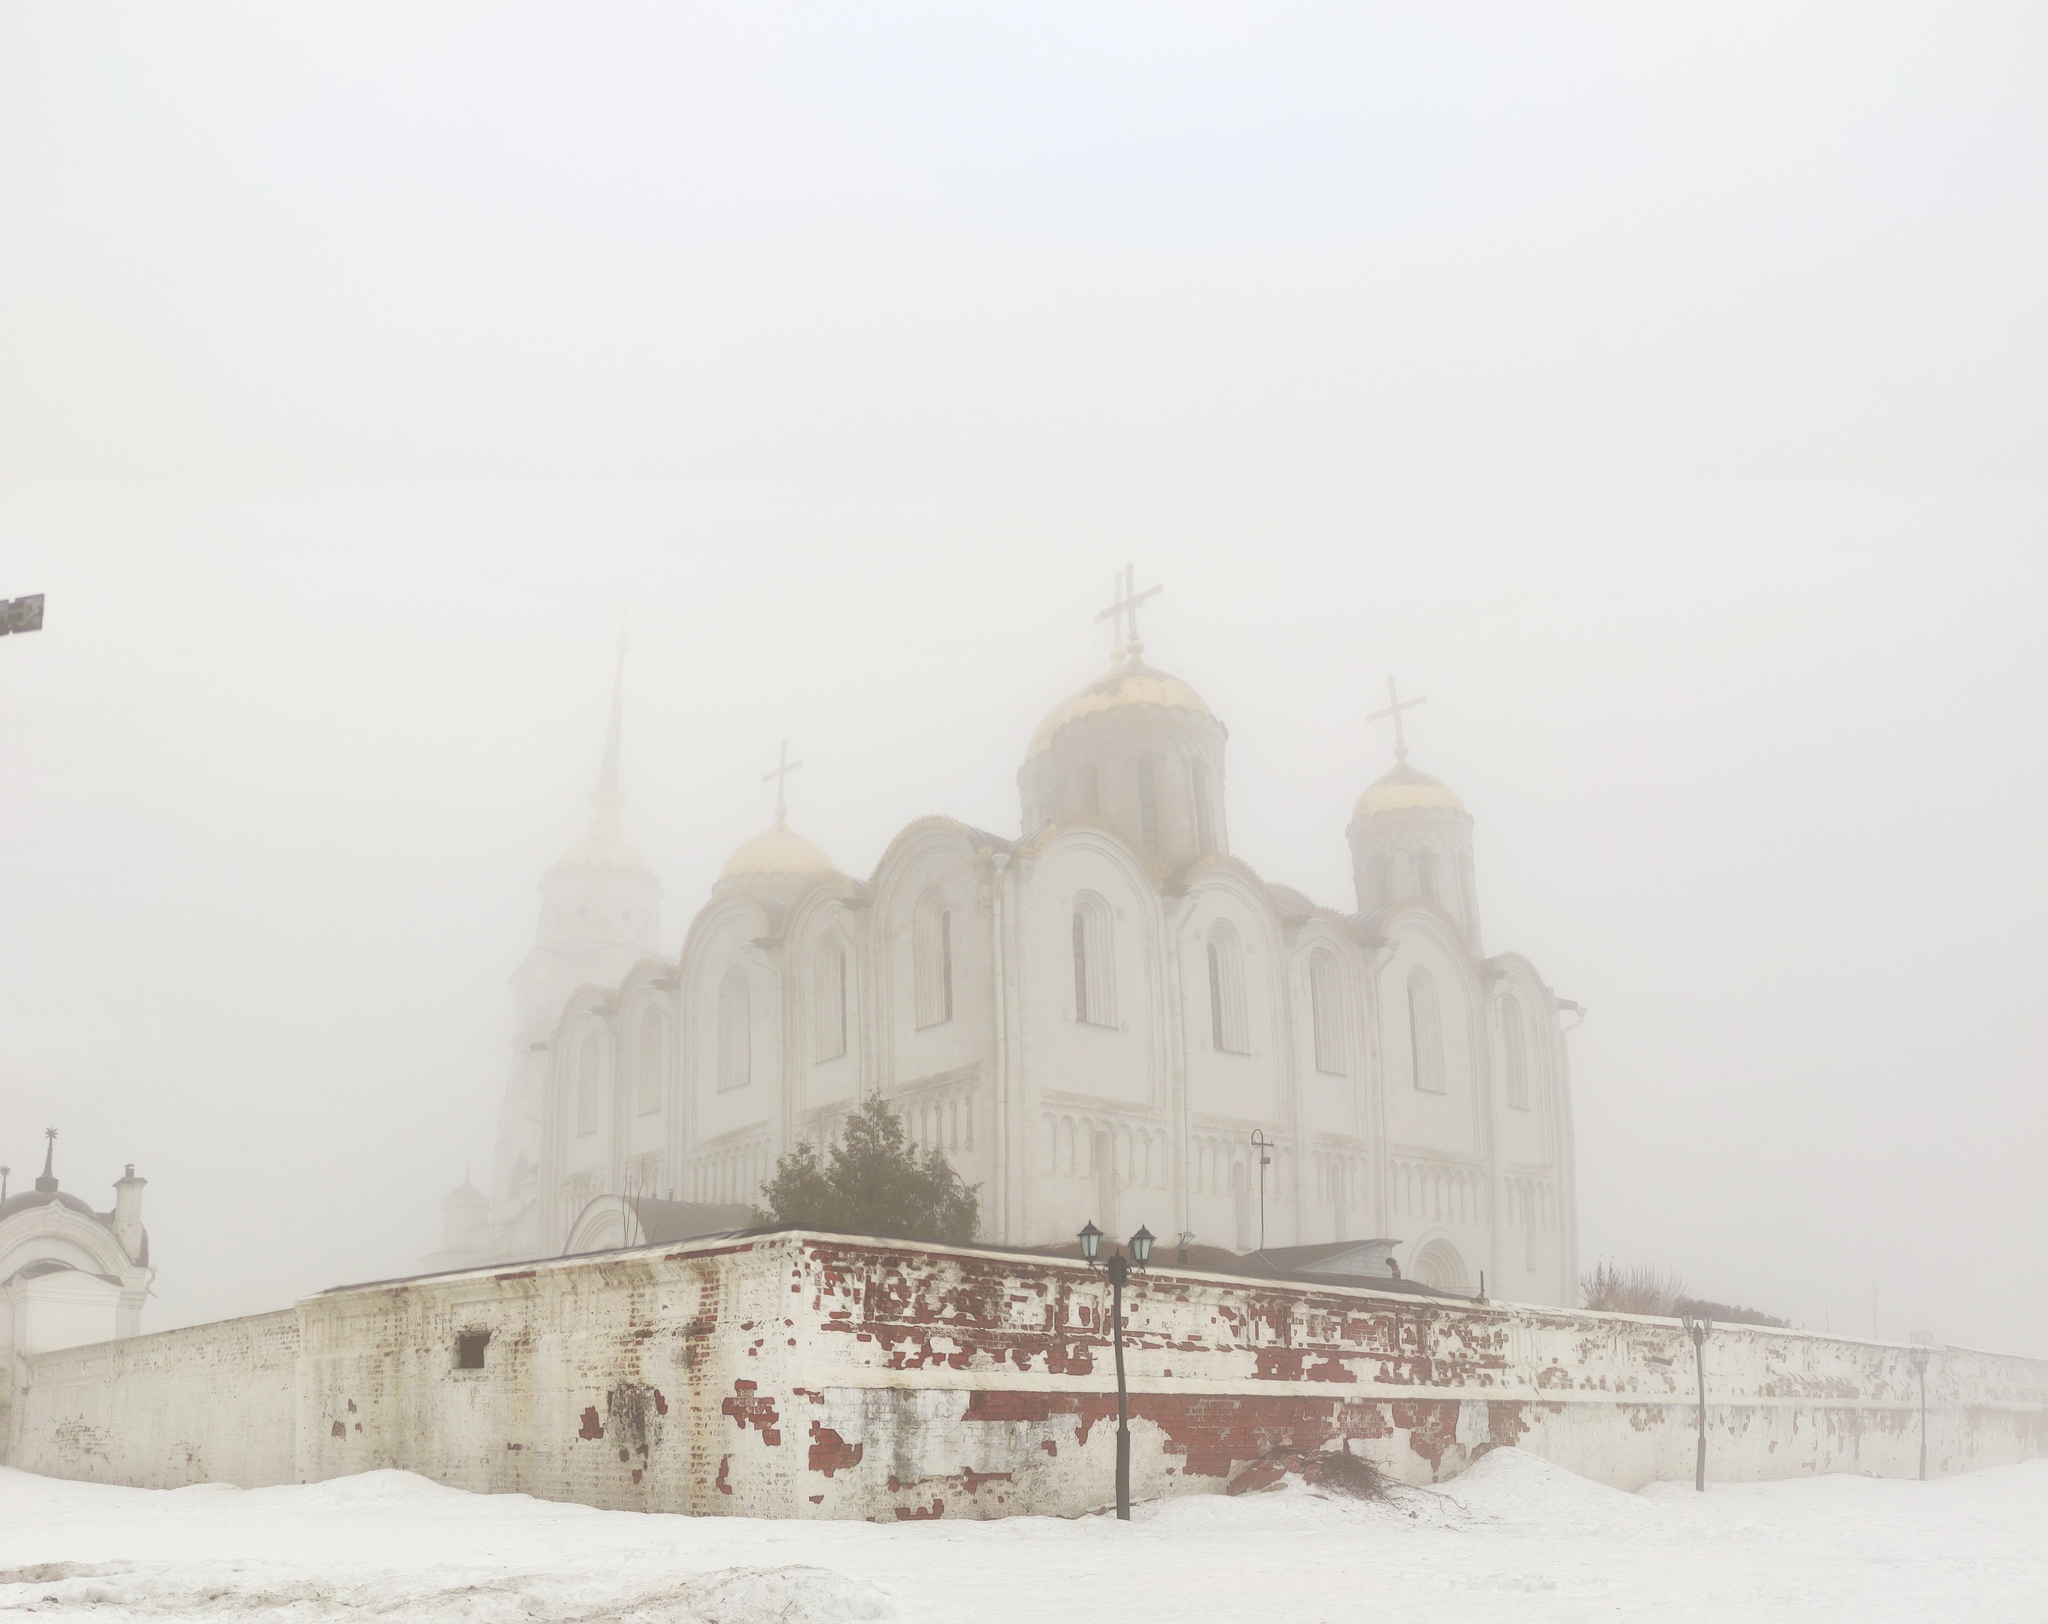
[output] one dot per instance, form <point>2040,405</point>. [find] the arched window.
<point>1094,963</point>
<point>652,1053</point>
<point>735,1030</point>
<point>1326,1012</point>
<point>828,1000</point>
<point>931,945</point>
<point>1425,1033</point>
<point>589,1083</point>
<point>1381,888</point>
<point>1148,807</point>
<point>1229,1030</point>
<point>1425,875</point>
<point>1205,823</point>
<point>1514,1048</point>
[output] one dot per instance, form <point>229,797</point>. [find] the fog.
<point>1664,397</point>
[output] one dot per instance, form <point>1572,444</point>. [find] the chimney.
<point>128,1213</point>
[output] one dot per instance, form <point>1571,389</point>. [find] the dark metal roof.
<point>45,1198</point>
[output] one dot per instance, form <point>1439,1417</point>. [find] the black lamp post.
<point>1697,1329</point>
<point>1919,1358</point>
<point>1264,1147</point>
<point>1119,1269</point>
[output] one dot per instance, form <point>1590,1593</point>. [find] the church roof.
<point>1129,683</point>
<point>778,852</point>
<point>45,1198</point>
<point>1406,790</point>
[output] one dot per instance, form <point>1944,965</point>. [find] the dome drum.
<point>1137,749</point>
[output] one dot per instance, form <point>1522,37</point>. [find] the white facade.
<point>1091,1020</point>
<point>68,1275</point>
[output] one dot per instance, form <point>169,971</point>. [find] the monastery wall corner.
<point>796,1374</point>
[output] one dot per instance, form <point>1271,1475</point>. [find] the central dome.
<point>777,853</point>
<point>1130,683</point>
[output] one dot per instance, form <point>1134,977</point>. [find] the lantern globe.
<point>1141,1246</point>
<point>1091,1241</point>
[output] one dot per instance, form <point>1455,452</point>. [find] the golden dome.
<point>780,853</point>
<point>1406,790</point>
<point>1130,682</point>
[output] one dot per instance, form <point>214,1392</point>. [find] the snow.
<point>1514,1538</point>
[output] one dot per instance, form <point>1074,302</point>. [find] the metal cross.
<point>783,768</point>
<point>1124,587</point>
<point>1394,710</point>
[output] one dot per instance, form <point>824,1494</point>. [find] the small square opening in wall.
<point>469,1349</point>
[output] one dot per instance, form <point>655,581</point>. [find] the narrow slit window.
<point>1094,963</point>
<point>1148,807</point>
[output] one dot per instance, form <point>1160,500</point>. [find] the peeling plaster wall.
<point>804,1375</point>
<point>210,1403</point>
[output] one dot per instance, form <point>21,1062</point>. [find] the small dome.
<point>777,853</point>
<point>1406,790</point>
<point>1130,683</point>
<point>44,1198</point>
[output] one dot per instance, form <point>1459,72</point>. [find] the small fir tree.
<point>873,1183</point>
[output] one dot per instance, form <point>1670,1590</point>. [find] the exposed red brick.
<point>831,1453</point>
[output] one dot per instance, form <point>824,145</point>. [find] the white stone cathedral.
<point>1092,1020</point>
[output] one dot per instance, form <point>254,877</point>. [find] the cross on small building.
<point>783,768</point>
<point>1124,588</point>
<point>1394,710</point>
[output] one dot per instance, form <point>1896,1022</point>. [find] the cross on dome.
<point>1124,588</point>
<point>1394,710</point>
<point>780,773</point>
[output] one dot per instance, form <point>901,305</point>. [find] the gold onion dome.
<point>778,852</point>
<point>1129,685</point>
<point>1406,790</point>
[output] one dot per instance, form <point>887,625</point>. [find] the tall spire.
<point>48,1182</point>
<point>606,801</point>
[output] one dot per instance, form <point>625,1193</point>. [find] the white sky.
<point>1665,396</point>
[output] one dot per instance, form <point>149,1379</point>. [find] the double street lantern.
<point>1697,1327</point>
<point>1118,1268</point>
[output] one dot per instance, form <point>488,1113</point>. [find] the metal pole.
<point>1919,1357</point>
<point>1263,1146</point>
<point>1118,1267</point>
<point>1699,1467</point>
<point>1697,1329</point>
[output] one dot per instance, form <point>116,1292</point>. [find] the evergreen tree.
<point>873,1183</point>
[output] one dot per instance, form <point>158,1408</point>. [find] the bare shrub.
<point>1632,1288</point>
<point>1342,1472</point>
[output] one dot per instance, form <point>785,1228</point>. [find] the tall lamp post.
<point>1118,1268</point>
<point>1697,1328</point>
<point>1264,1147</point>
<point>1919,1358</point>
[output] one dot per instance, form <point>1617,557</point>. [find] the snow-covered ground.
<point>1515,1538</point>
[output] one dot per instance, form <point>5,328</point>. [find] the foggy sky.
<point>1664,397</point>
